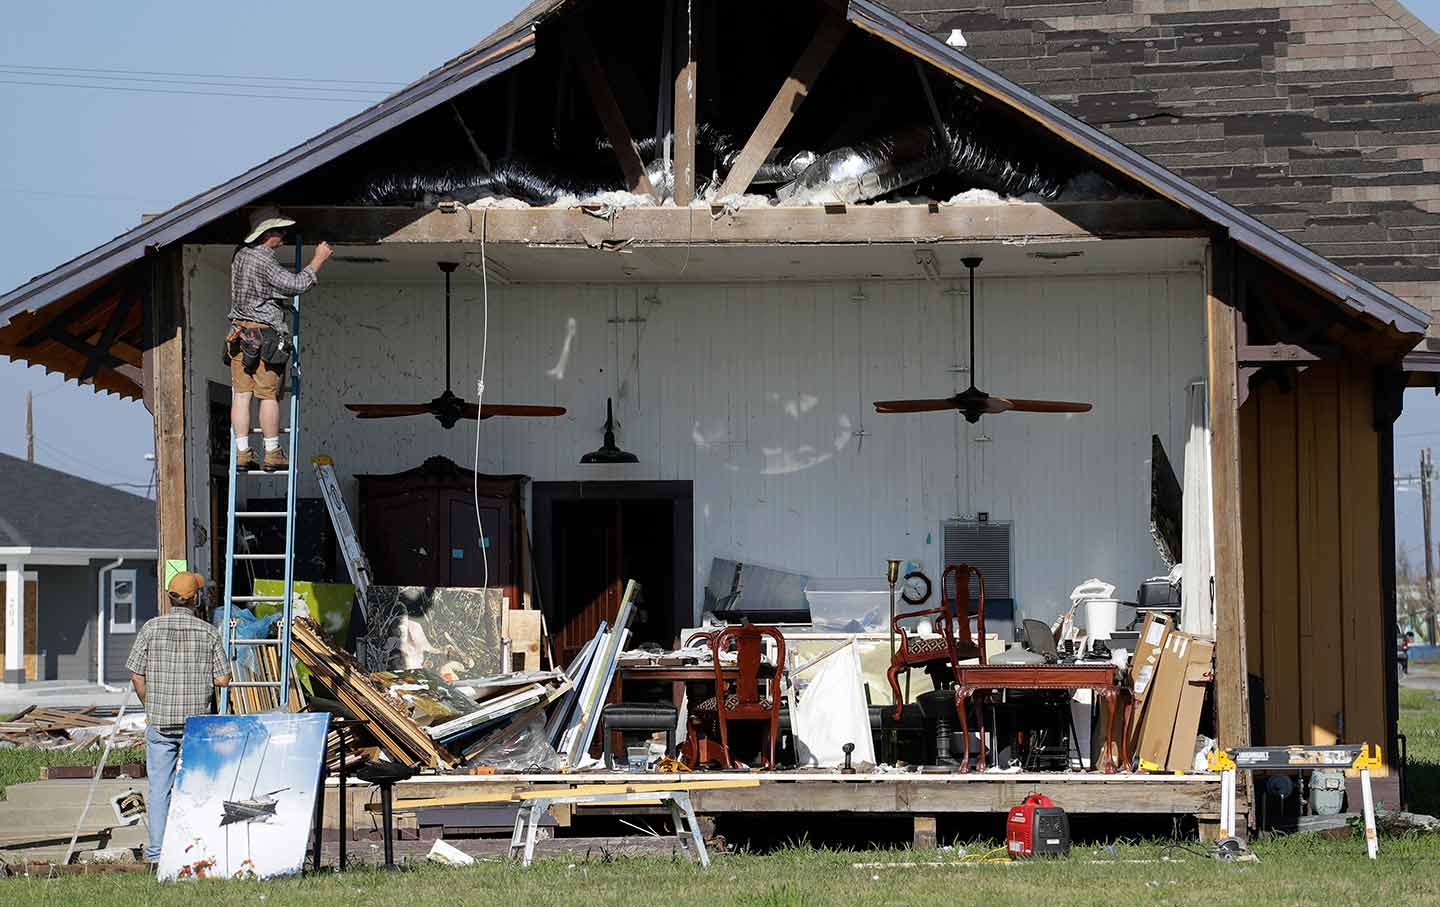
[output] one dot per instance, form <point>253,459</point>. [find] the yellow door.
<point>32,628</point>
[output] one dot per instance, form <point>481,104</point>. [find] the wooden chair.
<point>952,620</point>
<point>754,692</point>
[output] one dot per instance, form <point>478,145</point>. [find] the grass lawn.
<point>1293,870</point>
<point>19,766</point>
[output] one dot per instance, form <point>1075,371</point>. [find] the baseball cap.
<point>186,586</point>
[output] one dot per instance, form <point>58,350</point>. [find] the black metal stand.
<point>319,843</point>
<point>344,826</point>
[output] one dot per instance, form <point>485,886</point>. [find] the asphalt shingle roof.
<point>42,507</point>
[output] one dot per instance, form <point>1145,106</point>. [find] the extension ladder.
<point>356,564</point>
<point>233,518</point>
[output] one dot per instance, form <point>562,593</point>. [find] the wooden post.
<point>606,108</point>
<point>924,837</point>
<point>685,71</point>
<point>1231,672</point>
<point>166,371</point>
<point>787,101</point>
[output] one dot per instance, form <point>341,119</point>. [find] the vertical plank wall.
<point>1311,506</point>
<point>756,393</point>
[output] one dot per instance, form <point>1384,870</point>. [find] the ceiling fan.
<point>449,407</point>
<point>973,402</point>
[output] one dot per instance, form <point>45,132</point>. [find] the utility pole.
<point>1427,474</point>
<point>29,428</point>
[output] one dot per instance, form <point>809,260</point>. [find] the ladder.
<point>234,518</point>
<point>356,564</point>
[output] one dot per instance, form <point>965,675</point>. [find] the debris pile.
<point>71,729</point>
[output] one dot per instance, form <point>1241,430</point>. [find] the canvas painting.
<point>453,631</point>
<point>244,796</point>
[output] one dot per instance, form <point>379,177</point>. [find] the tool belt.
<point>254,343</point>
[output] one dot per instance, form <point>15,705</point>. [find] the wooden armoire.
<point>418,527</point>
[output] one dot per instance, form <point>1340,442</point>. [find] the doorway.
<point>590,537</point>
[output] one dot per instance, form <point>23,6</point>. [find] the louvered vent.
<point>984,546</point>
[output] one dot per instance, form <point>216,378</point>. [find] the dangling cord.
<point>480,391</point>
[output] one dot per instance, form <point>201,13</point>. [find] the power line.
<point>84,195</point>
<point>201,75</point>
<point>220,94</point>
<point>265,86</point>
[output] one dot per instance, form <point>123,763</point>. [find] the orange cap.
<point>186,586</point>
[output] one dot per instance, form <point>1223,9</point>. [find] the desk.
<point>978,680</point>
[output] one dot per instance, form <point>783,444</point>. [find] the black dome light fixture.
<point>608,453</point>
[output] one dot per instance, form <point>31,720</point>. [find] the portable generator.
<point>1037,827</point>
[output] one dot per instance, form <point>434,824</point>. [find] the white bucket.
<point>1100,615</point>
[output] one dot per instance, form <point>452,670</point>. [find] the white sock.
<point>242,443</point>
<point>272,444</point>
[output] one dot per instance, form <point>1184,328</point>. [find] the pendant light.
<point>608,452</point>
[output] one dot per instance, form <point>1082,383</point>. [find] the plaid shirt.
<point>259,286</point>
<point>181,657</point>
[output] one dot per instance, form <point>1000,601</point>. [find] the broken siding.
<point>1312,117</point>
<point>755,393</point>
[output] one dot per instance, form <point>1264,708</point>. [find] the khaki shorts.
<point>268,382</point>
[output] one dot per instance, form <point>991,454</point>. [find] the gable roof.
<point>506,49</point>
<point>47,508</point>
<point>1316,118</point>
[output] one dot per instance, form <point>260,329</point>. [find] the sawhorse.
<point>1357,756</point>
<point>527,819</point>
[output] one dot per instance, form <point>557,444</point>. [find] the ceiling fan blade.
<point>387,410</point>
<point>513,409</point>
<point>916,406</point>
<point>1043,406</point>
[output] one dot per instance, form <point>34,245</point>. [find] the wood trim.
<point>167,370</point>
<point>786,102</point>
<point>657,226</point>
<point>608,110</point>
<point>685,113</point>
<point>1231,661</point>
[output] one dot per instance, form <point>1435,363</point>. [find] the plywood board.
<point>1318,473</point>
<point>524,628</point>
<point>30,641</point>
<point>1280,600</point>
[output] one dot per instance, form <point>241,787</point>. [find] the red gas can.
<point>1037,827</point>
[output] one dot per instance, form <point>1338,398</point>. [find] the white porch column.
<point>14,622</point>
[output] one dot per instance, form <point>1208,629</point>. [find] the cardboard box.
<point>1142,668</point>
<point>1172,709</point>
<point>1199,671</point>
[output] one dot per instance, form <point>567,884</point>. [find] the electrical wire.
<point>480,390</point>
<point>197,75</point>
<point>219,94</point>
<point>194,83</point>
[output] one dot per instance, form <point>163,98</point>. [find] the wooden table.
<point>978,680</point>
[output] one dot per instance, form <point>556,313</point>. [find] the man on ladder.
<point>257,347</point>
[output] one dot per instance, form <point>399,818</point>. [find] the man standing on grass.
<point>176,664</point>
<point>257,349</point>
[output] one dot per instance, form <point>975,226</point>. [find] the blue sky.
<point>78,166</point>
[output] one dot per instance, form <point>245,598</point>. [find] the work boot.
<point>245,459</point>
<point>275,461</point>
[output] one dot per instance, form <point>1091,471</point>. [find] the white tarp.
<point>831,713</point>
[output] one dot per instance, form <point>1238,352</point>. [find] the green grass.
<point>1290,871</point>
<point>1420,723</point>
<point>18,766</point>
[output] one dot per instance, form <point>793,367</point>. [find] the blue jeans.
<point>162,751</point>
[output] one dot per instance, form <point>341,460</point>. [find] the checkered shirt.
<point>259,286</point>
<point>181,657</point>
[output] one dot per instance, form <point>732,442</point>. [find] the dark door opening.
<point>590,537</point>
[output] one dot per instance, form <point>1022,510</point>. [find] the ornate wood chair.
<point>752,692</point>
<point>951,621</point>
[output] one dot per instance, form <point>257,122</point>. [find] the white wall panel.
<point>754,392</point>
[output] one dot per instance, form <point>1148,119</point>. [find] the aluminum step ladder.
<point>356,564</point>
<point>235,518</point>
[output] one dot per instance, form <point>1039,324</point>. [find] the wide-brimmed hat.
<point>267,218</point>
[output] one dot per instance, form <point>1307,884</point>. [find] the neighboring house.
<point>1318,118</point>
<point>84,554</point>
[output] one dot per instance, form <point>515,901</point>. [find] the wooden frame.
<point>165,396</point>
<point>1231,662</point>
<point>685,113</point>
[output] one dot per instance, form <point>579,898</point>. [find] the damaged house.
<point>779,256</point>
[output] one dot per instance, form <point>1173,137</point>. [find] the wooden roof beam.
<point>787,101</point>
<point>608,110</point>
<point>685,118</point>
